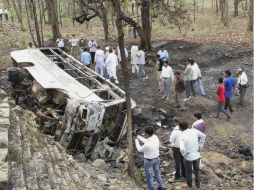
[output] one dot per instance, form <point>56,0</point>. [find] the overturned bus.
<point>80,108</point>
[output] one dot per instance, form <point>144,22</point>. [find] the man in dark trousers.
<point>179,91</point>
<point>191,143</point>
<point>229,84</point>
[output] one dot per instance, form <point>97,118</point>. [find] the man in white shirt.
<point>242,83</point>
<point>93,47</point>
<point>99,61</point>
<point>191,143</point>
<point>134,59</point>
<point>174,143</point>
<point>119,54</point>
<point>187,80</point>
<point>163,53</point>
<point>141,62</point>
<point>150,148</point>
<point>5,12</point>
<point>1,14</point>
<point>74,45</point>
<point>60,43</point>
<point>167,77</point>
<point>111,63</point>
<point>196,77</point>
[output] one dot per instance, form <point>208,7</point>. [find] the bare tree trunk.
<point>29,24</point>
<point>212,4</point>
<point>53,20</point>
<point>217,6</point>
<point>203,11</point>
<point>60,13</point>
<point>246,5</point>
<point>36,25</point>
<point>236,2</point>
<point>194,10</point>
<point>9,7</point>
<point>104,20</point>
<point>146,24</point>
<point>43,11</point>
<point>41,31</point>
<point>250,19</point>
<point>119,26</point>
<point>18,9</point>
<point>224,12</point>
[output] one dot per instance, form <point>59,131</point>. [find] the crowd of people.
<point>186,143</point>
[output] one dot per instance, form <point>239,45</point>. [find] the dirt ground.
<point>228,151</point>
<point>225,139</point>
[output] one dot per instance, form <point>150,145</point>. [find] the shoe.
<point>163,97</point>
<point>228,118</point>
<point>146,77</point>
<point>167,98</point>
<point>177,106</point>
<point>116,82</point>
<point>182,109</point>
<point>216,117</point>
<point>186,99</point>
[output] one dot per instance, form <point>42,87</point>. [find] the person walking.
<point>196,77</point>
<point>134,59</point>
<point>191,142</point>
<point>74,45</point>
<point>1,14</point>
<point>229,84</point>
<point>179,91</point>
<point>60,43</point>
<point>119,54</point>
<point>150,148</point>
<point>178,158</point>
<point>93,47</point>
<point>220,91</point>
<point>199,123</point>
<point>141,63</point>
<point>112,62</point>
<point>187,80</point>
<point>86,58</point>
<point>159,65</point>
<point>242,83</point>
<point>99,61</point>
<point>167,77</point>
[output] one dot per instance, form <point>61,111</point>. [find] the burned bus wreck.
<point>82,110</point>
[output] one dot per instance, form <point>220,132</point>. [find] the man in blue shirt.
<point>86,58</point>
<point>229,84</point>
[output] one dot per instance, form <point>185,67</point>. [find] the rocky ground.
<point>228,153</point>
<point>36,161</point>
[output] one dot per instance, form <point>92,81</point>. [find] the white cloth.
<point>141,57</point>
<point>111,64</point>
<point>174,137</point>
<point>5,11</point>
<point>190,145</point>
<point>242,79</point>
<point>99,57</point>
<point>60,43</point>
<point>119,53</point>
<point>188,73</point>
<point>1,11</point>
<point>92,45</point>
<point>134,54</point>
<point>150,148</point>
<point>163,54</point>
<point>167,72</point>
<point>196,72</point>
<point>74,42</point>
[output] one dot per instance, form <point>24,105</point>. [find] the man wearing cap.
<point>242,83</point>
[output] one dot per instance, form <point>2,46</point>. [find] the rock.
<point>217,158</point>
<point>101,164</point>
<point>233,155</point>
<point>218,172</point>
<point>80,157</point>
<point>246,166</point>
<point>102,177</point>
